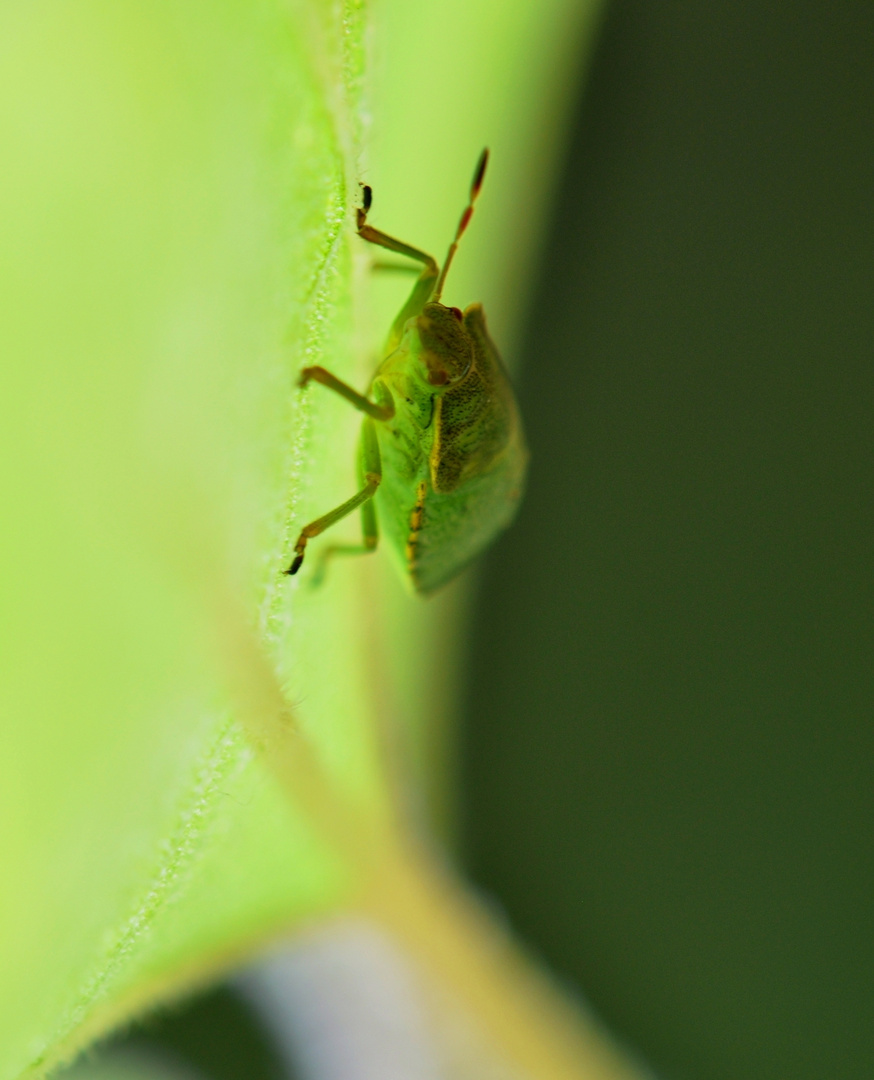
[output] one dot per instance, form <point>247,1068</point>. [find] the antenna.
<point>462,225</point>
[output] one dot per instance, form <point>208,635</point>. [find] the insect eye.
<point>457,313</point>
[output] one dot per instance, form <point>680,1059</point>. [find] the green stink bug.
<point>442,453</point>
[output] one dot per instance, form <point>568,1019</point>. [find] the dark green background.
<point>668,742</point>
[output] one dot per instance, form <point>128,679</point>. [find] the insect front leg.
<point>371,470</point>
<point>425,283</point>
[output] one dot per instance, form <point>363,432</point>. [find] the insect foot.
<point>297,561</point>
<point>317,527</point>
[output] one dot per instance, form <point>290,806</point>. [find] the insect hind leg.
<point>369,542</point>
<point>370,469</point>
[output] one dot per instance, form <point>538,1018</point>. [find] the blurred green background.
<point>668,737</point>
<point>667,740</point>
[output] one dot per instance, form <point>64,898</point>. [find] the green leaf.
<point>174,230</point>
<point>192,749</point>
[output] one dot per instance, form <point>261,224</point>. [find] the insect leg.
<point>371,467</point>
<point>392,267</point>
<point>384,411</point>
<point>381,239</point>
<point>369,540</point>
<point>424,286</point>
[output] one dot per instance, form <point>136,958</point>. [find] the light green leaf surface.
<point>190,742</point>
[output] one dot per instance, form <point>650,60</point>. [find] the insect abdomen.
<point>416,526</point>
<point>455,527</point>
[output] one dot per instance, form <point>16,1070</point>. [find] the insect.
<point>442,456</point>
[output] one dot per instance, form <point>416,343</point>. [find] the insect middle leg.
<point>371,468</point>
<point>383,410</point>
